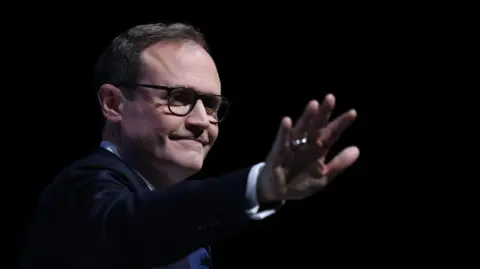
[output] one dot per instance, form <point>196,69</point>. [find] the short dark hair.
<point>120,62</point>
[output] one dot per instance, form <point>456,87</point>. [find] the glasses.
<point>182,100</point>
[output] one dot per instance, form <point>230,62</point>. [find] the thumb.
<point>271,182</point>
<point>342,161</point>
<point>281,140</point>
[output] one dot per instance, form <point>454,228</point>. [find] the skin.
<point>163,147</point>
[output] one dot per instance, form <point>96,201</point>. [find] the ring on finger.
<point>299,142</point>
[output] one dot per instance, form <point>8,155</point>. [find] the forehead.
<point>180,64</point>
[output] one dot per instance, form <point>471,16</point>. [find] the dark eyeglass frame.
<point>169,91</point>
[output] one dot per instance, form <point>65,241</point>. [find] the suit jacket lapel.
<point>118,164</point>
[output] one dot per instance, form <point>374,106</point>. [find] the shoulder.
<point>94,169</point>
<point>99,162</point>
<point>66,203</point>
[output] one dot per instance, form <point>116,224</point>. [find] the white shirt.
<point>251,190</point>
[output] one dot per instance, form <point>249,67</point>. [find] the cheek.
<point>212,134</point>
<point>149,124</point>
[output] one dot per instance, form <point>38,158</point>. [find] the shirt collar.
<point>114,149</point>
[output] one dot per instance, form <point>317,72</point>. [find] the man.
<point>127,205</point>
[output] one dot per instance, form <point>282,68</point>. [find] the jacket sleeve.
<point>157,227</point>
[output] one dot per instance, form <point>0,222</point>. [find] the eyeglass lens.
<point>181,102</point>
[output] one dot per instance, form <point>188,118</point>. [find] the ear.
<point>111,101</point>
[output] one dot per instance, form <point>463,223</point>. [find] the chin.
<point>193,167</point>
<point>185,161</point>
<point>189,165</point>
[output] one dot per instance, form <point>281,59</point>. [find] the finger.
<point>324,111</point>
<point>303,123</point>
<point>320,174</point>
<point>342,161</point>
<point>318,169</point>
<point>281,140</point>
<point>333,131</point>
<point>317,184</point>
<point>280,184</point>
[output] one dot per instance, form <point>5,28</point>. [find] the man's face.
<point>175,144</point>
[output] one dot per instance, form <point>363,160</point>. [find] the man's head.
<point>148,80</point>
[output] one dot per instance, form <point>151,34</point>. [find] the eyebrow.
<point>174,86</point>
<point>194,89</point>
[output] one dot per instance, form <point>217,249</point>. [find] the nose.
<point>198,116</point>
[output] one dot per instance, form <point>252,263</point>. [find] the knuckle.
<point>322,143</point>
<point>319,143</point>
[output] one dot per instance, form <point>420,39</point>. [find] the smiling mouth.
<point>190,144</point>
<point>184,139</point>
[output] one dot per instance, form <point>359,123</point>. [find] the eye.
<point>181,97</point>
<point>212,102</point>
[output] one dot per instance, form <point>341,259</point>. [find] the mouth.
<point>199,140</point>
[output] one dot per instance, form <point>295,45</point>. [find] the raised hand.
<point>296,166</point>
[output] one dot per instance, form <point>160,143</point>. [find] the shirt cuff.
<point>254,211</point>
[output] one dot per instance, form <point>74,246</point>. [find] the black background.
<point>374,215</point>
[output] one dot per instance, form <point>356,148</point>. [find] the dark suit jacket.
<point>98,213</point>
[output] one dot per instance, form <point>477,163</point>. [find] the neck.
<point>158,174</point>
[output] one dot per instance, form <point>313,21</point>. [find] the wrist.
<point>264,190</point>
<point>267,201</point>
